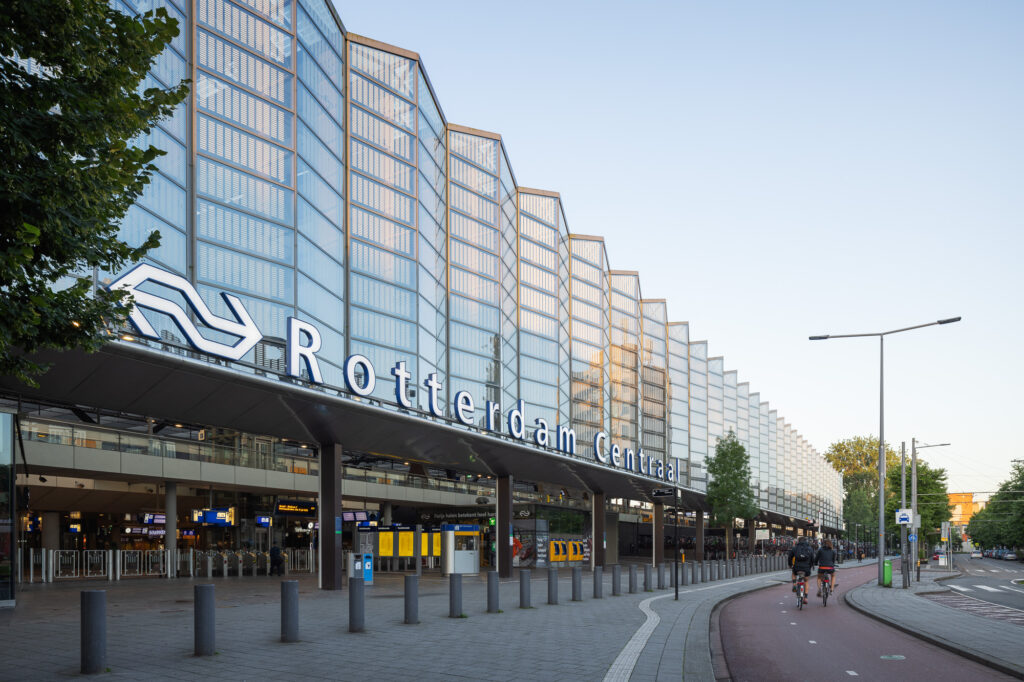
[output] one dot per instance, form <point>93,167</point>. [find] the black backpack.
<point>802,554</point>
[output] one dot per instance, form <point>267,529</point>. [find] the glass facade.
<point>312,174</point>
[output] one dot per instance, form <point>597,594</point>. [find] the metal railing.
<point>49,565</point>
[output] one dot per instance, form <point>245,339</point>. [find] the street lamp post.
<point>881,421</point>
<point>914,447</point>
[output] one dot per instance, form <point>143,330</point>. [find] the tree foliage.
<point>932,501</point>
<point>857,458</point>
<point>729,493</point>
<point>1001,522</point>
<point>70,105</point>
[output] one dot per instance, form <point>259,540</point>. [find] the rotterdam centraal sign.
<point>304,341</point>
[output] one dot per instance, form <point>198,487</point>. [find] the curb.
<point>1013,671</point>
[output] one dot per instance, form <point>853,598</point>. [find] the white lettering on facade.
<point>304,341</point>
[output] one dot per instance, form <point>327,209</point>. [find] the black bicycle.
<point>801,589</point>
<point>826,588</point>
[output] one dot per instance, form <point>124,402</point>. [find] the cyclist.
<point>801,558</point>
<point>826,561</point>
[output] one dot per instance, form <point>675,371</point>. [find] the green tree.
<point>859,455</point>
<point>932,502</point>
<point>1001,522</point>
<point>729,493</point>
<point>70,105</point>
<point>857,460</point>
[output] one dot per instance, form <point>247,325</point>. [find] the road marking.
<point>812,641</point>
<point>961,589</point>
<point>624,663</point>
<point>783,611</point>
<point>988,589</point>
<point>852,673</point>
<point>622,667</point>
<point>792,623</point>
<point>892,657</point>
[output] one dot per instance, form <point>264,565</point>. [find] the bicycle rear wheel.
<point>825,589</point>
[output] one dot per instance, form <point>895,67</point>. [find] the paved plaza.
<point>150,631</point>
<point>642,636</point>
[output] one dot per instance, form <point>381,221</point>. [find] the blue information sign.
<point>912,537</point>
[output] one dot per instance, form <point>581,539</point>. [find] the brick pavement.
<point>996,643</point>
<point>150,631</point>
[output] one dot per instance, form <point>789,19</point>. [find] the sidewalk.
<point>995,643</point>
<point>643,636</point>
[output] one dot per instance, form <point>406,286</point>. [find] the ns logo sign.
<point>303,338</point>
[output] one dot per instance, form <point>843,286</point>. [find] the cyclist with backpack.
<point>801,558</point>
<point>826,562</point>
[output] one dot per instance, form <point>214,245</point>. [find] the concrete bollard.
<point>205,623</point>
<point>455,595</point>
<point>598,582</point>
<point>524,589</point>
<point>705,571</point>
<point>289,610</point>
<point>648,578</point>
<point>94,631</point>
<point>632,579</point>
<point>356,605</point>
<point>577,583</point>
<point>492,592</point>
<point>616,580</point>
<point>661,576</point>
<point>552,585</point>
<point>412,599</point>
<point>686,574</point>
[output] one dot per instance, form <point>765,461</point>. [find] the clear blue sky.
<point>776,170</point>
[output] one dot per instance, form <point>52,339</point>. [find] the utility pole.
<point>913,508</point>
<point>904,564</point>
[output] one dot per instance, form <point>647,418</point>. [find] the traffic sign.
<point>904,517</point>
<point>912,537</point>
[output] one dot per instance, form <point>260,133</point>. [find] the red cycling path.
<point>765,637</point>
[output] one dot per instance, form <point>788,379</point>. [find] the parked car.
<point>1010,556</point>
<point>976,554</point>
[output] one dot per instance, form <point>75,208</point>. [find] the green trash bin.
<point>887,573</point>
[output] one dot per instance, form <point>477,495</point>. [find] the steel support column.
<point>658,533</point>
<point>332,570</point>
<point>597,553</point>
<point>503,527</point>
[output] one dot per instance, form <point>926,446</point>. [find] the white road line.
<point>852,673</point>
<point>961,589</point>
<point>624,663</point>
<point>811,641</point>
<point>988,589</point>
<point>622,667</point>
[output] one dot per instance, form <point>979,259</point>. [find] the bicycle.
<point>801,589</point>
<point>826,588</point>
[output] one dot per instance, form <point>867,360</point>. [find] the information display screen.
<point>295,508</point>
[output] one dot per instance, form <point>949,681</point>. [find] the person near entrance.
<point>276,561</point>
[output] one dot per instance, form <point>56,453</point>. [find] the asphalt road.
<point>765,637</point>
<point>990,580</point>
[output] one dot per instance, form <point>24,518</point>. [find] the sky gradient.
<point>779,170</point>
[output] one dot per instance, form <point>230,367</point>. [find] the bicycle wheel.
<point>799,596</point>
<point>825,589</point>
